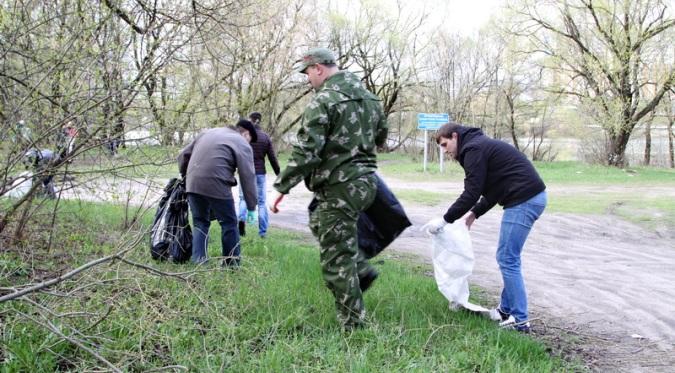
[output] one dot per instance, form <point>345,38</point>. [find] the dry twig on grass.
<point>54,329</point>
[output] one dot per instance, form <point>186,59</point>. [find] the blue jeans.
<point>516,224</point>
<point>263,215</point>
<point>223,209</point>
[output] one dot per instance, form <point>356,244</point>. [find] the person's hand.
<point>434,225</point>
<point>470,218</point>
<point>275,207</point>
<point>251,216</point>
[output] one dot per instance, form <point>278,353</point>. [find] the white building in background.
<point>142,136</point>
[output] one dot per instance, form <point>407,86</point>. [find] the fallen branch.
<point>48,283</point>
<point>155,270</point>
<point>162,369</point>
<point>54,329</point>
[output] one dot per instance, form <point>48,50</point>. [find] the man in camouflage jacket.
<point>335,156</point>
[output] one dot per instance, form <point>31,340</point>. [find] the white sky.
<point>457,16</point>
<point>462,16</point>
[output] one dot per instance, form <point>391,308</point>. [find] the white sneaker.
<point>510,321</point>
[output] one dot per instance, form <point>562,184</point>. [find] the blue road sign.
<point>431,121</point>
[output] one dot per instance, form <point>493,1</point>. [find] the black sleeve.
<point>273,158</point>
<point>482,207</point>
<point>475,171</point>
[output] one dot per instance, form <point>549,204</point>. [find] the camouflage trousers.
<point>333,223</point>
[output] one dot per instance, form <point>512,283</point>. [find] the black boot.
<point>242,228</point>
<point>367,280</point>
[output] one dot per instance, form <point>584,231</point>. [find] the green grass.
<point>408,167</point>
<point>580,173</point>
<point>274,314</point>
<point>424,197</point>
<point>650,211</point>
<point>555,173</point>
<point>134,161</point>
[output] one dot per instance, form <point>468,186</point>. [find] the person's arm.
<point>272,157</point>
<point>469,219</point>
<point>305,156</point>
<point>184,157</point>
<point>475,169</point>
<point>482,206</point>
<point>381,131</point>
<point>246,171</point>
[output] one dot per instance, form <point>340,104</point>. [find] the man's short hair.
<point>244,124</point>
<point>255,116</point>
<point>446,131</point>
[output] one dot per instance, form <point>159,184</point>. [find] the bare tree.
<point>604,50</point>
<point>648,139</point>
<point>381,46</point>
<point>463,69</point>
<point>63,63</point>
<point>669,109</point>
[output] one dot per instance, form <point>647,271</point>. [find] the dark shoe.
<point>366,280</point>
<point>242,228</point>
<point>231,263</point>
<point>510,323</point>
<point>523,328</point>
<point>497,314</point>
<point>349,328</point>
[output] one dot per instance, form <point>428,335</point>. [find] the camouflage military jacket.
<point>341,127</point>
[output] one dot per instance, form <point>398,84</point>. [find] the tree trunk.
<point>512,122</point>
<point>616,149</point>
<point>670,142</point>
<point>648,141</point>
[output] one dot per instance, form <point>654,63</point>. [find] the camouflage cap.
<point>313,57</point>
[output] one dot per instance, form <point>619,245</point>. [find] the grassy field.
<point>650,210</point>
<point>134,161</point>
<point>161,162</point>
<point>273,314</point>
<point>555,173</point>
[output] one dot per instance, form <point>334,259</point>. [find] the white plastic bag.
<point>453,264</point>
<point>21,185</point>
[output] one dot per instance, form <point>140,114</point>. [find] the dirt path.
<point>606,283</point>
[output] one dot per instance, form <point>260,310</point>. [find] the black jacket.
<point>495,171</point>
<point>261,149</point>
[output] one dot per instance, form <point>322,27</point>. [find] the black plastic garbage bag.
<point>379,224</point>
<point>171,235</point>
<point>382,222</point>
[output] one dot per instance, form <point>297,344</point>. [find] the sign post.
<point>431,122</point>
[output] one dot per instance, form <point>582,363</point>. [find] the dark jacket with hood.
<point>495,172</point>
<point>261,149</point>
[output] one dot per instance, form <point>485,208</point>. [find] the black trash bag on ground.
<point>379,224</point>
<point>171,235</point>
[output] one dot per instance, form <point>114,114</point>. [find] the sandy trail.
<point>602,279</point>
